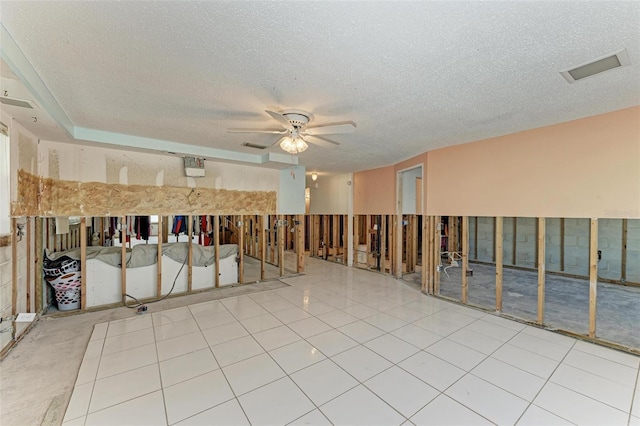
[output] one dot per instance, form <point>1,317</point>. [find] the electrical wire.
<point>139,303</point>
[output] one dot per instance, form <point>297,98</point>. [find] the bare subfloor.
<point>37,376</point>
<point>566,301</point>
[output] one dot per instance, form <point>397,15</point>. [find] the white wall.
<point>331,195</point>
<point>291,191</point>
<point>409,190</point>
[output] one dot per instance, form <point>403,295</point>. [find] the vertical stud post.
<point>499,261</point>
<point>465,258</point>
<point>541,268</point>
<point>593,276</point>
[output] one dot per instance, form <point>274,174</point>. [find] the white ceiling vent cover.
<point>597,66</point>
<point>16,102</point>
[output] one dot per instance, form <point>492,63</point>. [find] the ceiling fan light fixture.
<point>293,146</point>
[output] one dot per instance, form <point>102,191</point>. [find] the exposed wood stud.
<point>499,261</point>
<point>383,244</point>
<point>432,265</point>
<point>437,248</point>
<point>14,267</point>
<point>38,282</point>
<point>216,236</point>
<point>425,255</point>
<point>541,268</point>
<point>159,265</point>
<point>465,258</point>
<point>241,229</point>
<point>514,242</point>
<point>475,237</point>
<point>561,244</point>
<point>593,276</point>
<point>300,230</point>
<point>123,254</point>
<point>29,265</point>
<point>190,253</point>
<point>281,230</point>
<point>623,263</point>
<point>262,246</point>
<point>83,263</point>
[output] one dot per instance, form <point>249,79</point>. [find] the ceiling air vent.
<point>605,63</point>
<point>252,145</point>
<point>15,102</point>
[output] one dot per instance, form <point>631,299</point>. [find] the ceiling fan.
<point>297,133</point>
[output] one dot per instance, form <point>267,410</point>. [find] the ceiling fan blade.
<point>321,141</point>
<point>346,127</point>
<point>280,119</point>
<point>273,132</point>
<point>277,142</point>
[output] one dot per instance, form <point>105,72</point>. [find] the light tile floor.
<point>346,347</point>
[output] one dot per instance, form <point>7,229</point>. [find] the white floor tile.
<point>503,322</point>
<point>392,348</point>
<point>461,318</point>
<point>593,386</point>
<point>539,346</point>
<point>634,421</point>
<point>261,323</point>
<point>360,311</point>
<point>478,342</point>
<point>385,322</point>
<point>88,371</point>
<point>171,315</point>
<point>332,342</point>
<point>318,307</point>
<point>360,406</point>
<point>247,311</point>
<point>122,387</point>
<point>445,411</point>
<point>225,414</point>
<point>130,359</point>
<point>79,402</point>
<point>247,375</point>
<point>296,356</point>
<point>635,409</point>
<point>147,410</point>
<point>207,308</point>
<point>309,327</point>
<point>128,341</point>
<point>214,319</point>
<point>405,314</point>
<point>525,360</point>
<point>401,390</point>
<point>549,336</point>
<point>99,331</point>
<point>181,345</point>
<point>337,318</point>
<point>277,403</point>
<point>489,401</point>
<point>196,395</point>
<point>314,418</point>
<point>128,325</point>
<point>224,333</point>
<point>536,416</point>
<point>456,354</point>
<point>76,422</point>
<point>291,315</point>
<point>276,337</point>
<point>510,378</point>
<point>361,331</point>
<point>276,305</point>
<point>437,325</point>
<point>489,329</point>
<point>264,296</point>
<point>416,336</point>
<point>181,368</point>
<point>323,381</point>
<point>175,329</point>
<point>602,367</point>
<point>578,408</point>
<point>361,362</point>
<point>236,350</point>
<point>432,370</point>
<point>94,348</point>
<point>629,360</point>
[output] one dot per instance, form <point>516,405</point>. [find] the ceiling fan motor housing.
<point>297,118</point>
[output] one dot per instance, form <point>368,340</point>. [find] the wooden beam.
<point>541,268</point>
<point>300,231</point>
<point>282,229</point>
<point>382,245</point>
<point>190,254</point>
<point>38,283</point>
<point>431,266</point>
<point>425,255</point>
<point>29,265</point>
<point>515,239</point>
<point>216,236</point>
<point>414,242</point>
<point>465,258</point>
<point>623,263</point>
<point>241,251</point>
<point>499,240</point>
<point>593,276</point>
<point>475,238</point>
<point>159,269</point>
<point>561,244</point>
<point>437,242</point>
<point>262,246</point>
<point>83,263</point>
<point>14,267</point>
<point>123,254</point>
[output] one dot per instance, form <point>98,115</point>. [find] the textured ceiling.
<point>414,76</point>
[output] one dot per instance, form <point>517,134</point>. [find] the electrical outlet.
<point>599,254</point>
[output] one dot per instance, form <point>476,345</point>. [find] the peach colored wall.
<point>374,191</point>
<point>583,168</point>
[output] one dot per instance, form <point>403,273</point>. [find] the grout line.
<point>636,391</point>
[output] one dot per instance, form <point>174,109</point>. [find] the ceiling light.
<point>293,146</point>
<point>314,176</point>
<point>597,66</point>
